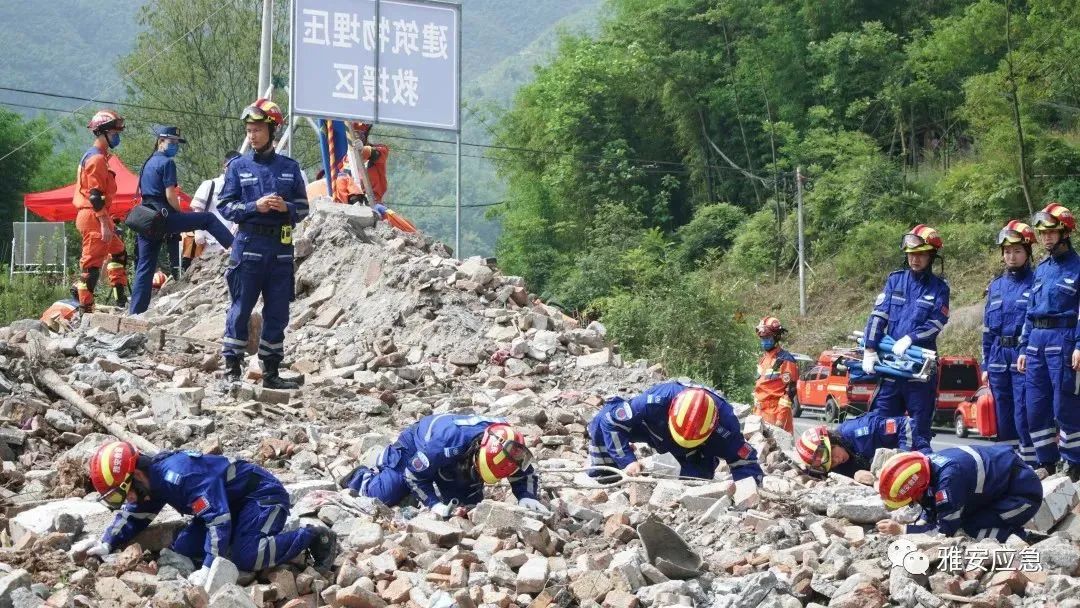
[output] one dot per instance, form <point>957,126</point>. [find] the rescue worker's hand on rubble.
<point>900,346</point>
<point>442,510</point>
<point>633,469</point>
<point>1021,363</point>
<point>888,526</point>
<point>99,550</point>
<point>534,505</point>
<point>869,360</point>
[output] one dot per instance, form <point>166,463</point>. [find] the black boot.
<point>324,548</point>
<point>271,379</point>
<point>234,369</point>
<point>1072,471</point>
<point>119,293</point>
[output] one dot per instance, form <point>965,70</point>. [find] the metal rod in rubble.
<point>802,249</point>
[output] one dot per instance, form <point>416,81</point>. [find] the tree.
<point>23,149</point>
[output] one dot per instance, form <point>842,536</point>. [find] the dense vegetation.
<point>665,200</point>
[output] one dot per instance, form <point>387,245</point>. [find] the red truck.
<point>827,386</point>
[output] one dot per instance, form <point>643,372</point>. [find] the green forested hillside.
<point>667,204</point>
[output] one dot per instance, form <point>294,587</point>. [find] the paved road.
<point>943,439</point>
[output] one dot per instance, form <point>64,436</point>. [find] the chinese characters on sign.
<point>956,559</point>
<point>412,80</point>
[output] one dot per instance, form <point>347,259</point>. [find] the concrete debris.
<point>387,328</point>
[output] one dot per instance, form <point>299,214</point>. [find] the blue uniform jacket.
<point>1007,300</point>
<point>158,173</point>
<point>862,437</point>
<point>962,481</point>
<point>207,486</point>
<point>437,451</point>
<point>250,177</point>
<point>915,305</point>
<point>1054,292</point>
<point>645,419</point>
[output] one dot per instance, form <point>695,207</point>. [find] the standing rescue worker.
<point>1049,358</point>
<point>912,309</point>
<point>1003,319</point>
<point>239,508</point>
<point>158,185</point>
<point>692,423</point>
<point>777,375</point>
<point>445,460</point>
<point>95,189</point>
<point>850,447</point>
<point>986,491</point>
<point>265,195</point>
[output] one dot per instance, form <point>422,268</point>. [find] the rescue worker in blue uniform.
<point>985,491</point>
<point>912,309</point>
<point>850,447</point>
<point>1007,300</point>
<point>239,508</point>
<point>265,195</point>
<point>1049,358</point>
<point>158,187</point>
<point>692,423</point>
<point>444,460</point>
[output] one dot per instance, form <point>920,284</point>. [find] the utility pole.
<point>802,249</point>
<point>266,45</point>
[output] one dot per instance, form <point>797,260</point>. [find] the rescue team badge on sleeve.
<point>941,496</point>
<point>744,451</point>
<point>419,462</point>
<point>200,505</point>
<point>623,412</point>
<point>890,426</point>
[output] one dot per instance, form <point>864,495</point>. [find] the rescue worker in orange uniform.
<point>374,157</point>
<point>777,374</point>
<point>346,190</point>
<point>95,189</point>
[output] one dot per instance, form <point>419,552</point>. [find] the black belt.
<point>1053,322</point>
<point>262,229</point>
<point>1009,341</point>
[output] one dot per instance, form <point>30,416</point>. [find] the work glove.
<point>99,550</point>
<point>442,510</point>
<point>869,360</point>
<point>901,346</point>
<point>534,505</point>
<point>198,578</point>
<point>380,210</point>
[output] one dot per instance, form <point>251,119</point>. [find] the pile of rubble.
<point>386,328</point>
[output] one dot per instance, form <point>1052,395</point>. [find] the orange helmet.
<point>105,120</point>
<point>814,449</point>
<point>502,453</point>
<point>904,479</point>
<point>160,278</point>
<point>692,417</point>
<point>921,238</point>
<point>1016,233</point>
<point>1054,216</point>
<point>263,110</point>
<point>769,326</point>
<point>111,469</point>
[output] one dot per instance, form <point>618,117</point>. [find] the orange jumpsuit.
<point>377,171</point>
<point>345,186</point>
<point>774,390</point>
<point>94,174</point>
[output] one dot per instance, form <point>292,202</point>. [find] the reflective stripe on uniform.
<point>980,468</point>
<point>1014,512</point>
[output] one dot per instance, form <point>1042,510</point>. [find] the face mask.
<point>171,149</point>
<point>114,140</point>
<point>767,343</point>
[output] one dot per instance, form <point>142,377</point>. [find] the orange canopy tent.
<point>55,205</point>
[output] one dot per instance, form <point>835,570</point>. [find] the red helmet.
<point>160,278</point>
<point>502,453</point>
<point>921,238</point>
<point>1016,233</point>
<point>1054,216</point>
<point>105,120</point>
<point>769,326</point>
<point>692,417</point>
<point>263,110</point>
<point>904,479</point>
<point>814,449</point>
<point>111,470</point>
<point>984,399</point>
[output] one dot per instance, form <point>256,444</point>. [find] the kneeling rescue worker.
<point>912,309</point>
<point>239,508</point>
<point>851,445</point>
<point>94,193</point>
<point>988,492</point>
<point>777,375</point>
<point>445,460</point>
<point>692,423</point>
